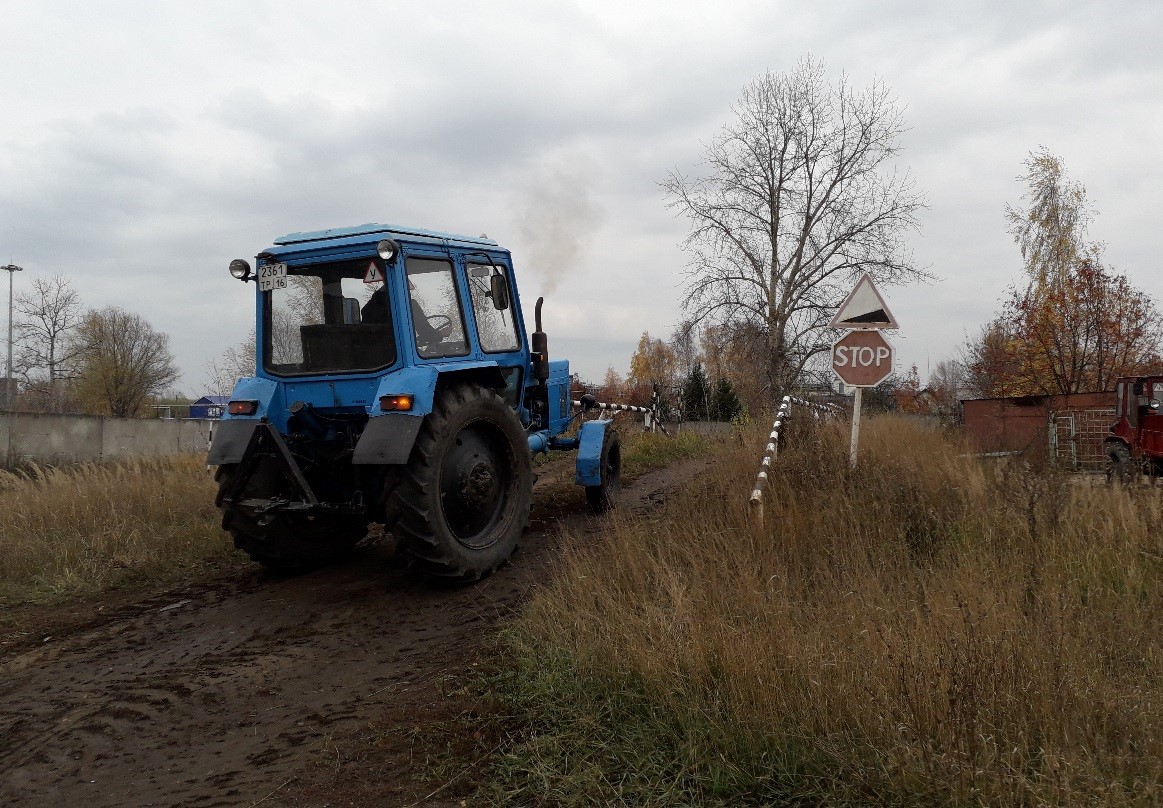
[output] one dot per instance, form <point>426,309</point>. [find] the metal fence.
<point>1076,437</point>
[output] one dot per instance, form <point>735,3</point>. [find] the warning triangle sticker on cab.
<point>373,274</point>
<point>863,308</point>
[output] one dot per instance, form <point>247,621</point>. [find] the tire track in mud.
<point>215,696</point>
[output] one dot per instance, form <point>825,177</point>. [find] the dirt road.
<point>230,692</point>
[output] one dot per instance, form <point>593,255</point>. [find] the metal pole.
<point>855,427</point>
<point>12,269</point>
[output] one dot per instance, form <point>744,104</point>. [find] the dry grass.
<point>79,530</point>
<point>70,532</point>
<point>923,629</point>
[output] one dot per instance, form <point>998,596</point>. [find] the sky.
<point>143,145</point>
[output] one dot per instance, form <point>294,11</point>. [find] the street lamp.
<point>12,269</point>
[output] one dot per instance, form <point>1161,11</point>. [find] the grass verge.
<point>922,629</point>
<point>71,532</point>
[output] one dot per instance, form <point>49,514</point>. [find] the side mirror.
<point>499,292</point>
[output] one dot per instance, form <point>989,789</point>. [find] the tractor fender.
<point>389,436</point>
<point>232,432</point>
<point>421,381</point>
<point>1115,440</point>
<point>591,436</point>
<point>418,381</point>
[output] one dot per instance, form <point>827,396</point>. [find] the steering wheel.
<point>440,321</point>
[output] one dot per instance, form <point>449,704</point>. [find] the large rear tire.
<point>283,547</point>
<point>464,498</point>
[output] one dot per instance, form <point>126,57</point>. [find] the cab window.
<point>313,322</point>
<point>437,321</point>
<point>496,329</point>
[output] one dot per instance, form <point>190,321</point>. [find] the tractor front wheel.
<point>1120,466</point>
<point>464,498</point>
<point>604,496</point>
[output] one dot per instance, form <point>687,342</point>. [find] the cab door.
<point>497,331</point>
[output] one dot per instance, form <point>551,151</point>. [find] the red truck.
<point>1135,443</point>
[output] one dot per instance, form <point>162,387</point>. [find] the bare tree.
<point>799,197</point>
<point>48,316</point>
<point>947,382</point>
<point>236,361</point>
<point>123,361</point>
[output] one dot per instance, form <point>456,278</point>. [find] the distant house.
<point>209,407</point>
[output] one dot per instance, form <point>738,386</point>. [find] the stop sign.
<point>862,358</point>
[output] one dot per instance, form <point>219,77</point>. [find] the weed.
<point>920,629</point>
<point>66,532</point>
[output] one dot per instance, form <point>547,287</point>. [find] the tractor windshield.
<point>326,319</point>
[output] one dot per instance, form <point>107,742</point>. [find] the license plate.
<point>272,276</point>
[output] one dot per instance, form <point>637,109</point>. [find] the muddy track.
<point>219,694</point>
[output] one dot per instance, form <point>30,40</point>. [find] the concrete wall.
<point>62,439</point>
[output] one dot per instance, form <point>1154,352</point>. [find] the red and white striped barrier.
<point>653,414</point>
<point>617,407</point>
<point>772,450</point>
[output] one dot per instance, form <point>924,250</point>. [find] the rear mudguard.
<point>387,439</point>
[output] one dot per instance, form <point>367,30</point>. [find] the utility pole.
<point>11,269</point>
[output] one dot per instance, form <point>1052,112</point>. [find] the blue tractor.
<point>395,384</point>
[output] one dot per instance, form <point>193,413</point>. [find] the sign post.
<point>863,357</point>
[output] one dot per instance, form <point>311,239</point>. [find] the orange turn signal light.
<point>242,407</point>
<point>400,403</point>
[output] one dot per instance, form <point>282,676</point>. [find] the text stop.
<point>862,358</point>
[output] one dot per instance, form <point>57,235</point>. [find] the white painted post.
<point>855,427</point>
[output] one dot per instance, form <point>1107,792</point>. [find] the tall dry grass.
<point>922,629</point>
<point>78,530</point>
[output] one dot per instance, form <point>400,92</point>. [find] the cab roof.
<point>386,231</point>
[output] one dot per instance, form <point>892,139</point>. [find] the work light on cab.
<point>240,269</point>
<point>388,249</point>
<point>399,403</point>
<point>242,407</point>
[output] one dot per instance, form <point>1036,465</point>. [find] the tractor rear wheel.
<point>463,500</point>
<point>1119,465</point>
<point>604,496</point>
<point>287,548</point>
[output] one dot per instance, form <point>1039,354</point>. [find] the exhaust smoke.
<point>558,218</point>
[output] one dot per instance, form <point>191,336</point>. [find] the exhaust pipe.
<point>540,353</point>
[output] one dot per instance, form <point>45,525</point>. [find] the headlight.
<point>240,268</point>
<point>388,249</point>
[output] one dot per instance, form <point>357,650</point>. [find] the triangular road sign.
<point>373,274</point>
<point>863,308</point>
